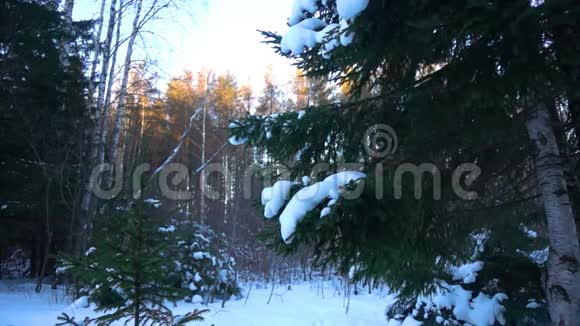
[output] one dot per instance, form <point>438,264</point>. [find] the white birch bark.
<point>97,48</point>
<point>203,208</point>
<point>123,90</point>
<point>104,125</point>
<point>85,206</point>
<point>563,276</point>
<point>202,213</point>
<point>105,69</point>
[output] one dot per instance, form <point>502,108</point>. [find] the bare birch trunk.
<point>97,48</point>
<point>104,126</point>
<point>104,71</point>
<point>202,176</point>
<point>203,208</point>
<point>86,199</point>
<point>563,283</point>
<point>126,68</point>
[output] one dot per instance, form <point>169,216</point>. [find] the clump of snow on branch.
<point>155,202</point>
<point>349,9</point>
<point>307,32</point>
<point>273,198</point>
<point>452,303</point>
<point>298,9</point>
<point>305,200</point>
<point>449,299</point>
<point>201,255</point>
<point>530,233</point>
<point>345,38</point>
<point>533,304</point>
<point>537,256</point>
<point>466,273</point>
<point>63,269</point>
<point>235,140</point>
<point>169,229</point>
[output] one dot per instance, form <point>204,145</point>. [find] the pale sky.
<point>219,34</point>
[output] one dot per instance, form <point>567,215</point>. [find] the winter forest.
<point>289,162</point>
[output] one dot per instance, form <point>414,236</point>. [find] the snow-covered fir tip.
<point>155,202</point>
<point>306,32</point>
<point>305,200</point>
<point>168,229</point>
<point>533,304</point>
<point>466,273</point>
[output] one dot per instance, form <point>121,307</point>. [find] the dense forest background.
<point>132,190</point>
<point>73,97</point>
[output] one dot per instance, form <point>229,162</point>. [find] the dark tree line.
<point>44,122</point>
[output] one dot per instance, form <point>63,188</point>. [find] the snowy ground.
<point>306,304</point>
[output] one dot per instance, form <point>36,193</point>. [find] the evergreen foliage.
<point>129,273</point>
<point>42,121</point>
<point>454,80</point>
<point>138,266</point>
<point>205,269</point>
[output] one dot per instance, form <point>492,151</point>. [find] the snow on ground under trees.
<point>306,304</point>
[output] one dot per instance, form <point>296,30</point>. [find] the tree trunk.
<point>96,49</point>
<point>566,40</point>
<point>104,126</point>
<point>85,214</point>
<point>126,68</point>
<point>563,283</point>
<point>203,208</point>
<point>137,304</point>
<point>48,238</point>
<point>106,59</point>
<point>567,150</point>
<point>202,176</point>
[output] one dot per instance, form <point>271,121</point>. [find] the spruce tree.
<point>457,82</point>
<point>130,273</point>
<point>43,117</point>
